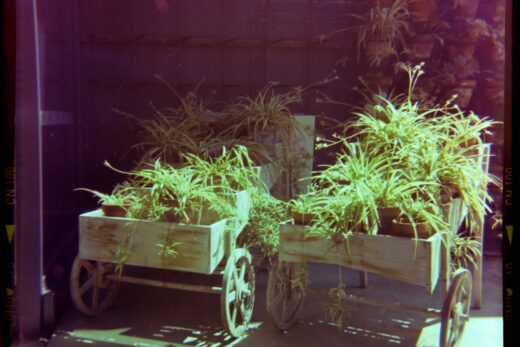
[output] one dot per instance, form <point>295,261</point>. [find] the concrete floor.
<point>150,316</point>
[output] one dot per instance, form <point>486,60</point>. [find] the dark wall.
<point>234,47</point>
<point>102,54</point>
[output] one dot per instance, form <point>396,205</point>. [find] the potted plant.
<point>423,38</point>
<point>458,78</point>
<point>381,31</point>
<point>266,118</point>
<point>306,207</point>
<point>390,190</point>
<point>430,149</point>
<point>116,204</point>
<point>191,126</point>
<point>420,219</point>
<point>464,251</point>
<point>260,235</point>
<point>464,37</point>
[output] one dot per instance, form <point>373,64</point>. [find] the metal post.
<point>28,208</point>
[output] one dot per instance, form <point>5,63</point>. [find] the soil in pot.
<point>115,210</point>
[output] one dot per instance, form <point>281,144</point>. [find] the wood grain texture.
<point>409,260</point>
<point>200,247</point>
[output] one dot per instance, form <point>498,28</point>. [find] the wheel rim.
<point>286,292</point>
<point>455,312</point>
<point>91,290</point>
<point>238,292</point>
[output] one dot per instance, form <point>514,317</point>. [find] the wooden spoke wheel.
<point>455,311</point>
<point>285,292</point>
<point>91,291</point>
<point>238,292</point>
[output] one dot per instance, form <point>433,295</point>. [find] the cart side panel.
<point>409,260</point>
<point>199,248</point>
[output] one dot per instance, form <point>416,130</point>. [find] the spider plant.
<point>306,206</point>
<point>464,251</point>
<point>415,211</point>
<point>267,113</point>
<point>119,196</point>
<point>165,188</point>
<point>386,25</point>
<point>233,169</point>
<point>265,216</point>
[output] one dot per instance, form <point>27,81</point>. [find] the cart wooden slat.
<point>105,242</point>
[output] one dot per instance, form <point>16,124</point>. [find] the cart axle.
<point>163,284</point>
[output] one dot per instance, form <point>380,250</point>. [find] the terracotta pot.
<point>465,9</point>
<point>386,216</point>
<point>421,46</point>
<point>463,89</point>
<point>302,218</point>
<point>422,10</point>
<point>403,228</point>
<point>494,90</point>
<point>457,45</point>
<point>110,210</point>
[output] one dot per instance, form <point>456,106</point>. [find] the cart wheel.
<point>285,292</point>
<point>238,292</point>
<point>455,311</point>
<point>90,290</point>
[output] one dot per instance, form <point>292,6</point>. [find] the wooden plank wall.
<point>102,54</point>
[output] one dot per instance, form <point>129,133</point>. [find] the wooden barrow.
<point>105,242</point>
<point>416,261</point>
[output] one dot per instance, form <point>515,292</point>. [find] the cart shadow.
<point>153,316</point>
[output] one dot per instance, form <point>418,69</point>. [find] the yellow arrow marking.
<point>10,232</point>
<point>509,231</point>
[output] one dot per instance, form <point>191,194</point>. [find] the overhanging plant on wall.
<point>464,37</point>
<point>192,126</point>
<point>382,31</point>
<point>458,78</point>
<point>429,148</point>
<point>265,118</point>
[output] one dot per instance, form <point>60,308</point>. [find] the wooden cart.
<point>414,261</point>
<point>206,249</point>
